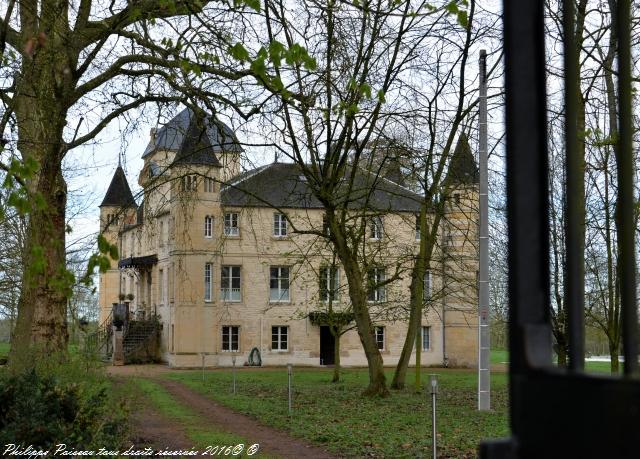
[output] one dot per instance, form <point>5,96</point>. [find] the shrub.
<point>42,410</point>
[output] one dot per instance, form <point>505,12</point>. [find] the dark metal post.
<point>625,208</point>
<point>233,361</point>
<point>434,431</point>
<point>289,373</point>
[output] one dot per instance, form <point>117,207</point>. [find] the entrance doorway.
<point>327,346</point>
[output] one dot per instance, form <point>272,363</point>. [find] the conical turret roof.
<point>118,194</point>
<point>463,169</point>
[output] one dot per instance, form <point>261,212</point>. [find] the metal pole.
<point>484,375</point>
<point>289,370</point>
<point>203,367</point>
<point>434,390</point>
<point>233,361</point>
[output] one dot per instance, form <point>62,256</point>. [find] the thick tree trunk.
<point>336,358</point>
<point>41,325</point>
<point>41,328</point>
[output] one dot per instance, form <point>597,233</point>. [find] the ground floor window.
<point>379,331</point>
<point>230,338</point>
<point>426,338</point>
<point>279,338</point>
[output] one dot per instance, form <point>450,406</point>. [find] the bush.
<point>42,410</point>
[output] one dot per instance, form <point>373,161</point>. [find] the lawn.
<point>339,418</point>
<point>4,350</point>
<point>502,356</point>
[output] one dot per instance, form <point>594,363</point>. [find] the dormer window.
<point>375,228</point>
<point>209,185</point>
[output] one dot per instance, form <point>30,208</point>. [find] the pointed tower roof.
<point>196,148</point>
<point>463,169</point>
<point>119,194</point>
<point>171,135</point>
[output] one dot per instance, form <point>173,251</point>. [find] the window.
<point>426,338</point>
<point>375,228</point>
<point>426,292</point>
<point>208,224</point>
<point>279,283</point>
<point>230,341</point>
<point>189,183</point>
<point>279,225</point>
<point>161,286</point>
<point>230,283</point>
<point>209,185</point>
<point>417,227</point>
<point>231,227</point>
<point>376,291</point>
<point>329,283</point>
<point>279,338</point>
<point>456,198</point>
<point>207,281</point>
<point>379,332</point>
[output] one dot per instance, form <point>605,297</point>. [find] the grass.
<point>339,418</point>
<point>502,356</point>
<point>499,356</point>
<point>4,350</point>
<point>195,426</point>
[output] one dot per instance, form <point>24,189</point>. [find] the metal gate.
<point>558,412</point>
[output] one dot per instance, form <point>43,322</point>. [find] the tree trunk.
<point>358,296</point>
<point>427,239</point>
<point>41,328</point>
<point>614,352</point>
<point>336,358</point>
<point>562,354</point>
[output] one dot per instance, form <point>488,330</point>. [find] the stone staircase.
<point>141,340</point>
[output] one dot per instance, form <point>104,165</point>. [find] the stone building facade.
<point>222,258</point>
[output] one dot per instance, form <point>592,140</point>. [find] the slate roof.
<point>118,194</point>
<point>171,135</point>
<point>196,148</point>
<point>283,185</point>
<point>462,168</point>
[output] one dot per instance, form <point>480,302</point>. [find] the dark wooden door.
<point>327,346</point>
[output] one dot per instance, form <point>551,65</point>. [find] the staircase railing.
<point>100,341</point>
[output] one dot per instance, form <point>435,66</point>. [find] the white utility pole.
<point>484,372</point>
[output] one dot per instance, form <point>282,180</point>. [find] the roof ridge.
<point>247,175</point>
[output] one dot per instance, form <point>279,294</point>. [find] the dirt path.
<point>149,427</point>
<point>271,441</point>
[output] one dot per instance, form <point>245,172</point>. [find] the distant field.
<point>502,356</point>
